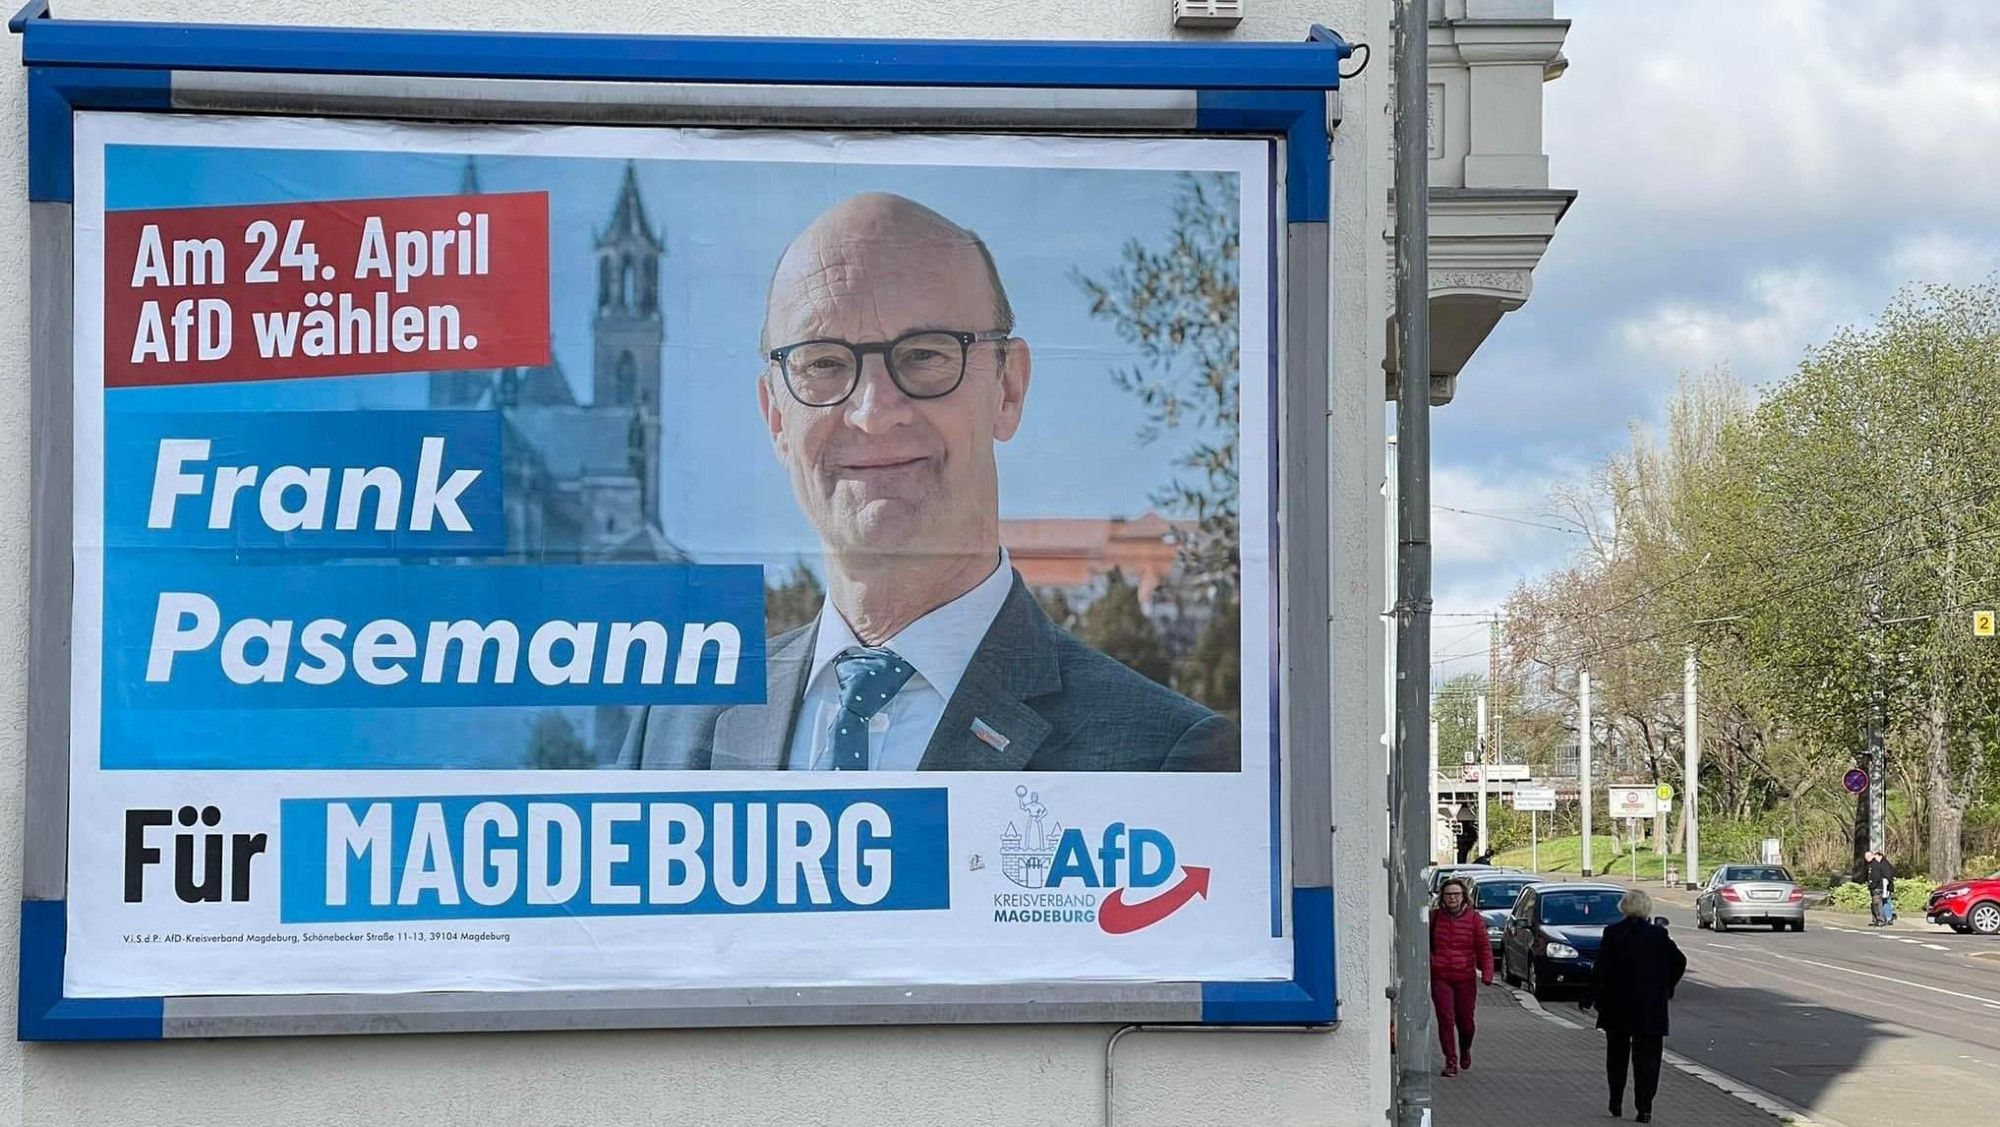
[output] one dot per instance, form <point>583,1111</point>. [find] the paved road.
<point>1864,1027</point>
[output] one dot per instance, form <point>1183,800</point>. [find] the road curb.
<point>1747,1093</point>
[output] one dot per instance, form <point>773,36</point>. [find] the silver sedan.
<point>1751,895</point>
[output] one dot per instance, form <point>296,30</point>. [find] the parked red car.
<point>1967,905</point>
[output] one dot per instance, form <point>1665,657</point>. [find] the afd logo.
<point>1127,859</point>
<point>1082,878</point>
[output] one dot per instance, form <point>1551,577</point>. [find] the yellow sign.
<point>1665,792</point>
<point>1982,624</point>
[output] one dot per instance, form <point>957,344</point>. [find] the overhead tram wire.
<point>1987,533</point>
<point>1510,520</point>
<point>1764,562</point>
<point>1582,655</point>
<point>1982,492</point>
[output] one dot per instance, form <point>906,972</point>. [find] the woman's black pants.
<point>1642,1052</point>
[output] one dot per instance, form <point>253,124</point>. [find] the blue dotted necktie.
<point>868,679</point>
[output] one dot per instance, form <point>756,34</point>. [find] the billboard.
<point>579,558</point>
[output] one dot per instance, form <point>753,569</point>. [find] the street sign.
<point>1498,773</point>
<point>1665,791</point>
<point>1535,797</point>
<point>1982,623</point>
<point>1632,802</point>
<point>1856,780</point>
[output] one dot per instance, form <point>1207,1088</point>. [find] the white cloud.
<point>1761,332</point>
<point>1731,110</point>
<point>1757,334</point>
<point>1939,256</point>
<point>1461,539</point>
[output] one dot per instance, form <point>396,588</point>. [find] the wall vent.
<point>1208,13</point>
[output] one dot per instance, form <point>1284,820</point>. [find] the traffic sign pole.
<point>1583,761</point>
<point>1691,781</point>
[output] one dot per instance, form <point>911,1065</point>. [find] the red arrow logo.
<point>1117,917</point>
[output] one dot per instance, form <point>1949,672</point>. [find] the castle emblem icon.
<point>1025,856</point>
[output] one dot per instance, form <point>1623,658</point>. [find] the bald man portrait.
<point>891,371</point>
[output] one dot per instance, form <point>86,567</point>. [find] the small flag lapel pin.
<point>988,735</point>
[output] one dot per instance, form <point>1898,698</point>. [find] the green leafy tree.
<point>1116,625</point>
<point>1055,604</point>
<point>553,744</point>
<point>1875,462</point>
<point>1455,707</point>
<point>1821,554</point>
<point>1177,303</point>
<point>1212,671</point>
<point>793,602</point>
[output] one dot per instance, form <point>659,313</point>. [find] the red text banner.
<point>331,288</point>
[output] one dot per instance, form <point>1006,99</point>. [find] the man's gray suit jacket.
<point>1057,704</point>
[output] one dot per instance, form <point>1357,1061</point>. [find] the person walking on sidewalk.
<point>1881,889</point>
<point>1461,957</point>
<point>1638,966</point>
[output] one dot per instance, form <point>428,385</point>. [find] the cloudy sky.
<point>1750,177</point>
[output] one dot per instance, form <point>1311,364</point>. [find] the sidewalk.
<point>1546,1069</point>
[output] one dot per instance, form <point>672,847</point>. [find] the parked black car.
<point>1553,934</point>
<point>1494,895</point>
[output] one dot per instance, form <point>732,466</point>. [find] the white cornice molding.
<point>1484,246</point>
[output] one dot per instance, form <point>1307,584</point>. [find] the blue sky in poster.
<point>725,223</point>
<point>725,498</point>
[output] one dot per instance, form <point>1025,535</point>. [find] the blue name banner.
<point>216,636</point>
<point>337,482</point>
<point>514,856</point>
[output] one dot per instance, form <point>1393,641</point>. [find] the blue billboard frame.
<point>1280,91</point>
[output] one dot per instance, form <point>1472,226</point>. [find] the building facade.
<point>1021,1075</point>
<point>1069,563</point>
<point>583,479</point>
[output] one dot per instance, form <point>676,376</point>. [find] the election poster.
<point>559,557</point>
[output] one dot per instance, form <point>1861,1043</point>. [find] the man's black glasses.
<point>926,364</point>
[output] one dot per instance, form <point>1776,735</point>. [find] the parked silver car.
<point>1436,875</point>
<point>1751,894</point>
<point>1494,894</point>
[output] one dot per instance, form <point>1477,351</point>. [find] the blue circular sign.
<point>1856,780</point>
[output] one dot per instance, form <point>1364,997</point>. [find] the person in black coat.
<point>1881,889</point>
<point>1637,968</point>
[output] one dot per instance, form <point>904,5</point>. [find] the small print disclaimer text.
<point>374,935</point>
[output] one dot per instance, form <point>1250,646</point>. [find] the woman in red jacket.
<point>1461,956</point>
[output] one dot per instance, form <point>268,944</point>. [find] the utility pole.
<point>1583,763</point>
<point>1691,774</point>
<point>1493,687</point>
<point>1430,851</point>
<point>1479,755</point>
<point>1878,759</point>
<point>1413,558</point>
